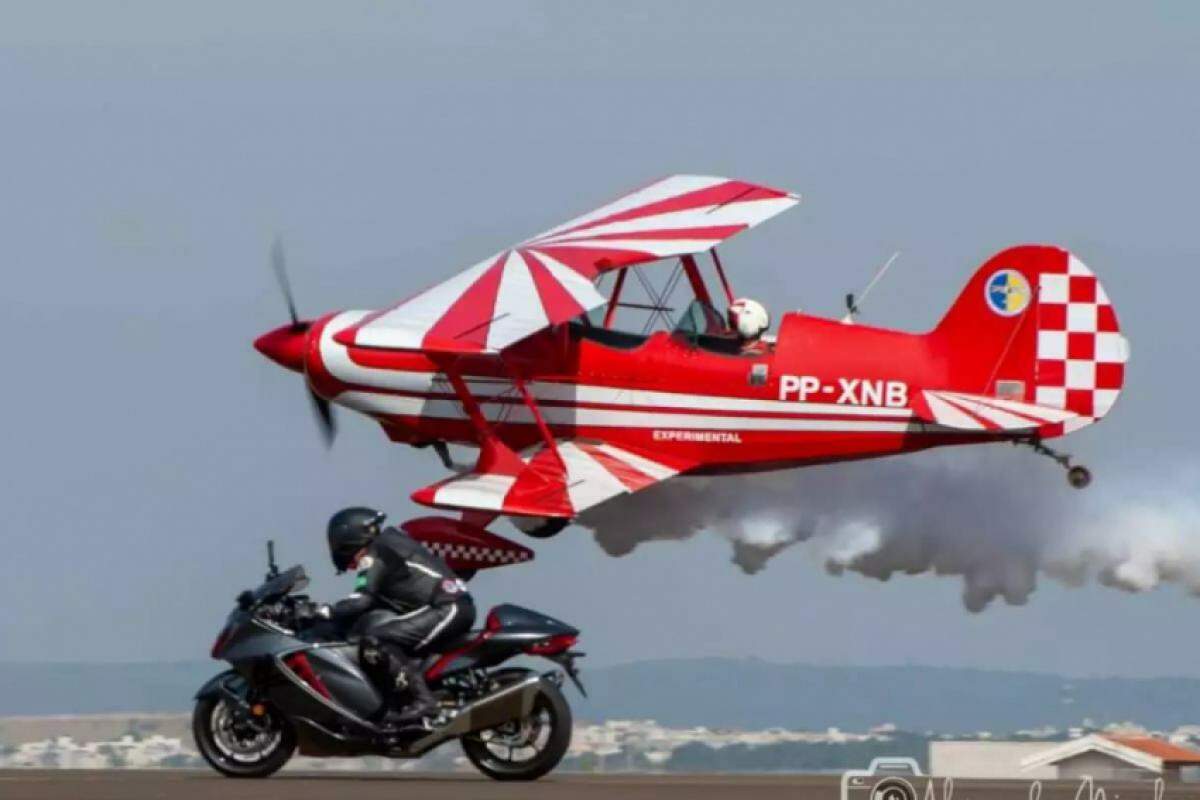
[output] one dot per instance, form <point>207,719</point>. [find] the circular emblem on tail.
<point>1007,292</point>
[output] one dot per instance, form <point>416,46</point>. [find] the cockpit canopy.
<point>639,304</point>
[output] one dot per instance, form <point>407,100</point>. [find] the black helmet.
<point>350,530</point>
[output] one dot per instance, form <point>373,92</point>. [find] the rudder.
<point>1034,325</point>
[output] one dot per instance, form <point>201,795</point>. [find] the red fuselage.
<point>825,391</point>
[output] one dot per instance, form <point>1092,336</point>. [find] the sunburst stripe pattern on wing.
<point>562,482</point>
<point>547,279</point>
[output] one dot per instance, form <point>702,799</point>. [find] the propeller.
<point>322,409</point>
<point>325,421</point>
<point>279,266</point>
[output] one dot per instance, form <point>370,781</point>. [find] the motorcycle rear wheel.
<point>498,752</point>
<point>237,752</point>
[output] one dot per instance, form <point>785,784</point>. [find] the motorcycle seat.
<point>458,642</point>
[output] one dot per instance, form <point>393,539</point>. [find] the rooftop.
<point>1145,752</point>
<point>1168,752</point>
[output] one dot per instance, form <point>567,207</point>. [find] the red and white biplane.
<point>524,356</point>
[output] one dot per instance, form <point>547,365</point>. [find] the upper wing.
<point>549,278</point>
<point>560,482</point>
<point>972,412</point>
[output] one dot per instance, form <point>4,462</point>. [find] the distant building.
<point>1102,756</point>
<point>986,759</point>
<point>1116,758</point>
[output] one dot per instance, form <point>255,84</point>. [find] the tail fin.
<point>1034,325</point>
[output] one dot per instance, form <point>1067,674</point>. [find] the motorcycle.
<point>297,686</point>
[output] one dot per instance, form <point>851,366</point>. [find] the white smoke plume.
<point>996,517</point>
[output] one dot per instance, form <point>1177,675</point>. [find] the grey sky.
<point>150,151</point>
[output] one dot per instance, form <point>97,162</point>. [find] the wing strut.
<point>615,300</point>
<point>532,405</point>
<point>494,455</point>
<point>555,479</point>
<point>721,274</point>
<point>480,493</point>
<point>697,282</point>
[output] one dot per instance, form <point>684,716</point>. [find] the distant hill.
<point>748,693</point>
<point>28,689</point>
<point>738,693</point>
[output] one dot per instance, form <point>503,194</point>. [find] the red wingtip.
<point>426,496</point>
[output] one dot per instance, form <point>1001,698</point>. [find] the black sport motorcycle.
<point>301,686</point>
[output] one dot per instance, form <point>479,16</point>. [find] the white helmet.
<point>748,318</point>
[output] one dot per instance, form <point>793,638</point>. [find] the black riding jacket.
<point>401,574</point>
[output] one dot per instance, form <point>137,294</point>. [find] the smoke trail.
<point>995,517</point>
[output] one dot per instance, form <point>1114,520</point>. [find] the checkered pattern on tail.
<point>1081,354</point>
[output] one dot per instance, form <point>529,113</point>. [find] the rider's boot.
<point>424,705</point>
<point>388,669</point>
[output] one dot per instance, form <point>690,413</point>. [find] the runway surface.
<point>186,785</point>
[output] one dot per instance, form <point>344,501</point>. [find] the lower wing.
<point>557,482</point>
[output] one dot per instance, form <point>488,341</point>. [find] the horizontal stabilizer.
<point>557,482</point>
<point>970,412</point>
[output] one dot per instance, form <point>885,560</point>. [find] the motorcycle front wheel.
<point>240,746</point>
<point>524,749</point>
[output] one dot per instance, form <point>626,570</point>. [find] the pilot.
<point>406,602</point>
<point>749,320</point>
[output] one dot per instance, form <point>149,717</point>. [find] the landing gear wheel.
<point>238,746</point>
<point>547,528</point>
<point>1079,477</point>
<point>524,749</point>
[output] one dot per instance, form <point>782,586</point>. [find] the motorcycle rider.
<point>406,602</point>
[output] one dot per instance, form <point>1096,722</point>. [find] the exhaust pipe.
<point>511,702</point>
